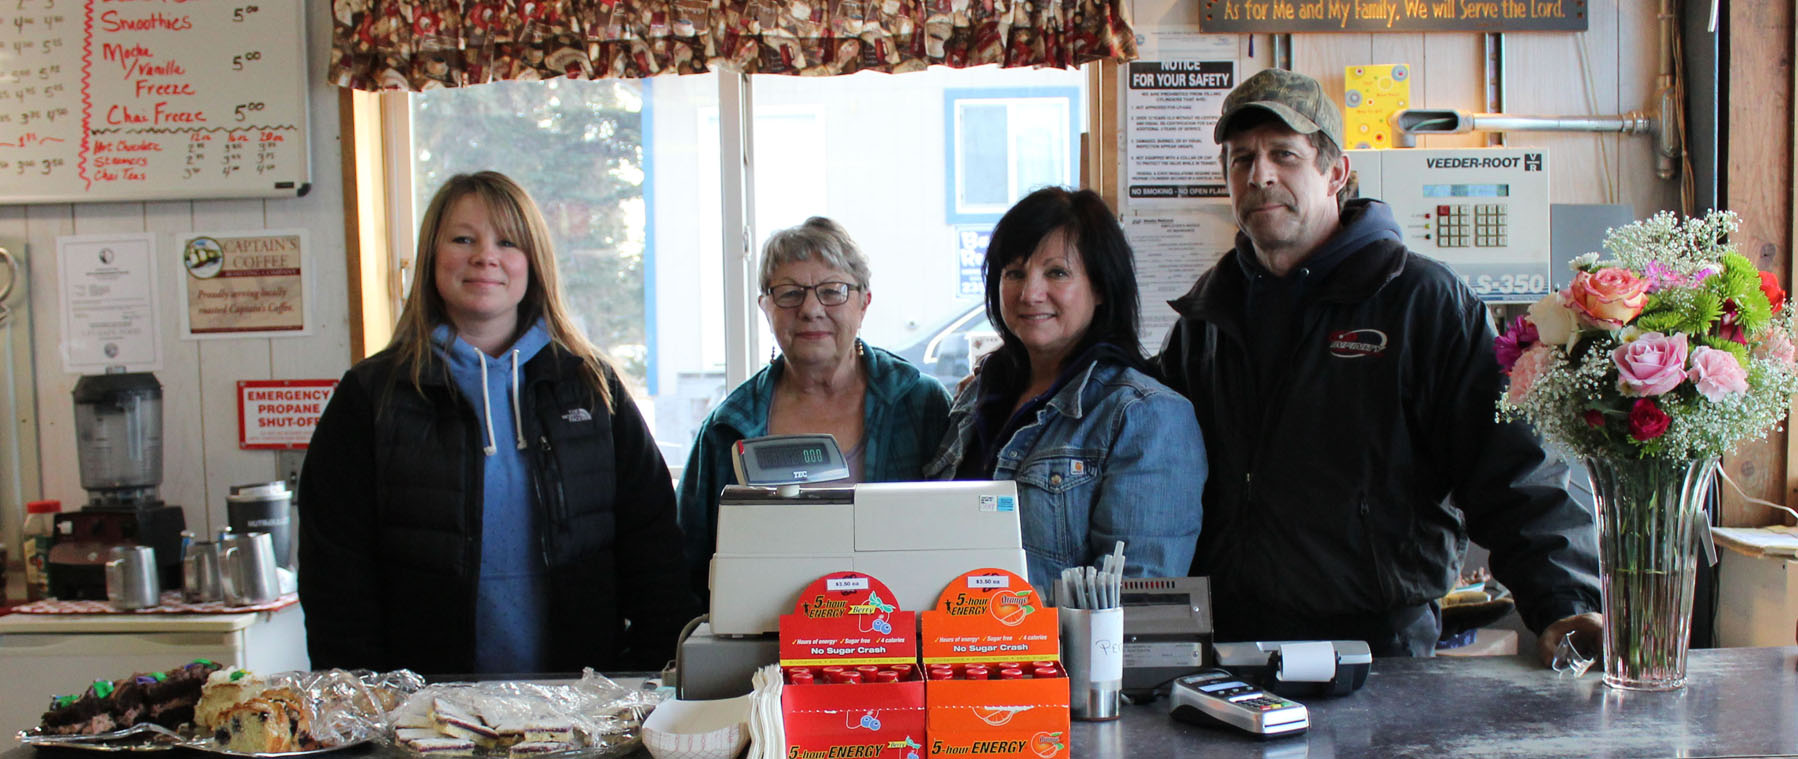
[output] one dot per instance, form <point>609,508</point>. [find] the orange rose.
<point>1608,298</point>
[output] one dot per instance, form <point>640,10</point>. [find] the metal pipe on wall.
<point>1667,145</point>
<point>1634,122</point>
<point>1495,81</point>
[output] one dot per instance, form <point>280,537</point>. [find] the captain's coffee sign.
<point>280,414</point>
<point>1292,16</point>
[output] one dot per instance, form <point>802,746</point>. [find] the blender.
<point>118,441</point>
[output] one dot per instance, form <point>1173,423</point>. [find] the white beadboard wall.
<point>201,460</point>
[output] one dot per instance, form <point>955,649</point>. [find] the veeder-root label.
<point>1530,162</point>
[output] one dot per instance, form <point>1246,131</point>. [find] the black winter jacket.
<point>390,505</point>
<point>1344,490</point>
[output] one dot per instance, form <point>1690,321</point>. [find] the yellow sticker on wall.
<point>1372,94</point>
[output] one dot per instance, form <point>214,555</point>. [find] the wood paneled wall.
<point>1609,69</point>
<point>1757,183</point>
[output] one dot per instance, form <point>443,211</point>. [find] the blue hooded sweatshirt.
<point>511,597</point>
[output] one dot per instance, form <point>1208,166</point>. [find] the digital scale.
<point>788,461</point>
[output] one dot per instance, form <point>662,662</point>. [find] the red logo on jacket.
<point>1357,343</point>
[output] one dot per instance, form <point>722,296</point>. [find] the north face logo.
<point>1357,343</point>
<point>577,415</point>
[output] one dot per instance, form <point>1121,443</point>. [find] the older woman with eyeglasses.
<point>886,415</point>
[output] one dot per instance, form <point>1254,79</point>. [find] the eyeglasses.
<point>829,293</point>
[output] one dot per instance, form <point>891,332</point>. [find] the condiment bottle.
<point>38,530</point>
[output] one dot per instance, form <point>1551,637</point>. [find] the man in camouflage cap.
<point>1345,387</point>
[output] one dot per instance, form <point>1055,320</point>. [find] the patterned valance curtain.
<point>426,44</point>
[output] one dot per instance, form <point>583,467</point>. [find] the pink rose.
<point>1777,345</point>
<point>1717,373</point>
<point>1651,364</point>
<point>1608,298</point>
<point>1529,367</point>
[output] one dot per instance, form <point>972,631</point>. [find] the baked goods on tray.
<point>204,706</point>
<point>164,698</point>
<point>523,720</point>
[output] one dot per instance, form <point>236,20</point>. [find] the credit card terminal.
<point>1215,696</point>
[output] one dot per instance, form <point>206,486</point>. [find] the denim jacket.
<point>1115,455</point>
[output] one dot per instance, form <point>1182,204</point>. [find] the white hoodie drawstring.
<point>517,420</point>
<point>492,446</point>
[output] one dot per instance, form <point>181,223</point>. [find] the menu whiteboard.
<point>106,100</point>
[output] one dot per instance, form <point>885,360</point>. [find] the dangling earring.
<point>858,348</point>
<point>771,354</point>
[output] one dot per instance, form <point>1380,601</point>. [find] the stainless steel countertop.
<point>1737,702</point>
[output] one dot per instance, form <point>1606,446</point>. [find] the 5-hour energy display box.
<point>849,656</point>
<point>992,656</point>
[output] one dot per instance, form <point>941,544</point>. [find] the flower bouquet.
<point>1651,365</point>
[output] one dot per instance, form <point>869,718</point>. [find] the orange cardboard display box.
<point>845,628</point>
<point>984,619</point>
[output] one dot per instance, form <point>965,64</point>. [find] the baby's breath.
<point>1576,400</point>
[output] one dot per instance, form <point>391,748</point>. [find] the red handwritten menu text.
<point>144,99</point>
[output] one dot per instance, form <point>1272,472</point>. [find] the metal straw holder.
<point>1092,650</point>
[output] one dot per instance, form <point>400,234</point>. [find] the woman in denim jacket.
<point>1101,451</point>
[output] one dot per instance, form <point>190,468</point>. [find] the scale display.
<point>788,460</point>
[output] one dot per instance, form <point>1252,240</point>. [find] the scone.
<point>223,691</point>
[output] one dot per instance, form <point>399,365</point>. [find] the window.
<point>1005,143</point>
<point>628,173</point>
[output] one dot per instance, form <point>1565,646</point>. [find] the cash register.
<point>784,526</point>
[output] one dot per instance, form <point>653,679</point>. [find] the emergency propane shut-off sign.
<point>279,414</point>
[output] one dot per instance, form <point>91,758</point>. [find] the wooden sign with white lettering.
<point>1295,16</point>
<point>106,100</point>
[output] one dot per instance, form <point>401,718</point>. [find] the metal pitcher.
<point>247,569</point>
<point>131,579</point>
<point>201,575</point>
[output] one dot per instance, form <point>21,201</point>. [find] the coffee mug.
<point>131,578</point>
<point>200,573</point>
<point>247,569</point>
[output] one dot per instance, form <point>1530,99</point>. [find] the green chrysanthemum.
<point>1680,310</point>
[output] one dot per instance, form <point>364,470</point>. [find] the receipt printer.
<point>1298,669</point>
<point>1167,631</point>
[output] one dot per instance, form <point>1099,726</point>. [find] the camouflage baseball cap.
<point>1297,99</point>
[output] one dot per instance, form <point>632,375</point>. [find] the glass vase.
<point>1648,512</point>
